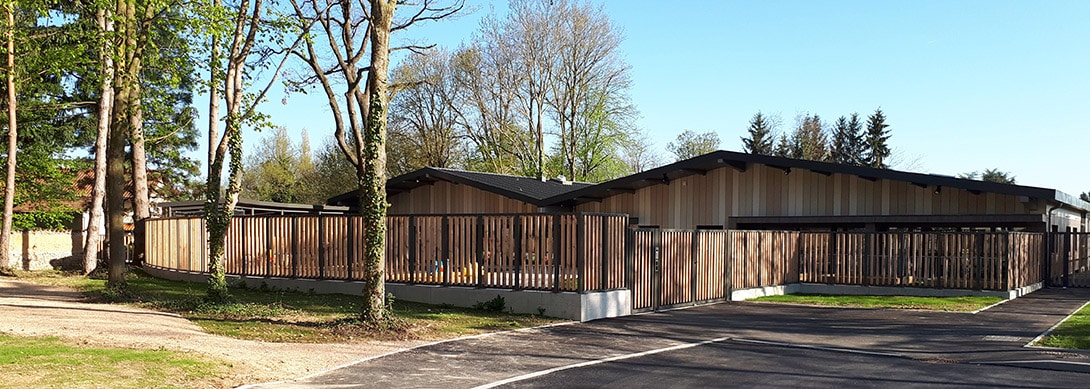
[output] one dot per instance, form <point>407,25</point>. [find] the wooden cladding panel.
<point>448,198</point>
<point>711,198</point>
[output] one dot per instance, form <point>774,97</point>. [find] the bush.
<point>494,305</point>
<point>37,221</point>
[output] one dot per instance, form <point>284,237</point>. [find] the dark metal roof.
<point>251,207</point>
<point>741,161</point>
<point>525,189</point>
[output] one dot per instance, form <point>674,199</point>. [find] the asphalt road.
<point>750,344</point>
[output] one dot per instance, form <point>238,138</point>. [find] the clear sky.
<point>966,85</point>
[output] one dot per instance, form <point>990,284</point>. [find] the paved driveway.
<point>746,344</point>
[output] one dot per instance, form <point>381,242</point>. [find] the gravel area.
<point>28,309</point>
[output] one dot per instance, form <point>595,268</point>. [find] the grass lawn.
<point>1073,333</point>
<point>959,304</point>
<point>53,363</point>
<point>287,316</point>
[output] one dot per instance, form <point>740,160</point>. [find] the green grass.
<point>1073,333</point>
<point>50,362</point>
<point>290,316</point>
<point>959,304</point>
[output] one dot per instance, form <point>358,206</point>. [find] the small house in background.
<point>729,190</point>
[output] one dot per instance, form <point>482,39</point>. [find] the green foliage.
<point>876,152</point>
<point>989,175</point>
<point>278,170</point>
<point>53,362</point>
<point>961,304</point>
<point>691,144</point>
<point>494,305</point>
<point>847,144</point>
<point>1073,333</point>
<point>809,139</point>
<point>760,139</point>
<point>43,220</point>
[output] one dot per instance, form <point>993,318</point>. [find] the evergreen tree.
<point>841,151</point>
<point>856,140</point>
<point>760,140</point>
<point>783,147</point>
<point>877,137</point>
<point>809,140</point>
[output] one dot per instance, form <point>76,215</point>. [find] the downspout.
<point>1050,247</point>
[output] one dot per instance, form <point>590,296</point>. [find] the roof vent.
<point>562,180</point>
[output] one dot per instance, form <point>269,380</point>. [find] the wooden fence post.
<point>412,249</point>
<point>728,267</point>
<point>268,247</point>
<point>352,246</point>
<point>656,269</point>
<point>580,252</point>
<point>694,247</point>
<point>445,250</point>
<point>557,221</point>
<point>245,271</point>
<point>294,247</point>
<point>516,230</point>
<point>321,247</point>
<point>629,258</point>
<point>480,252</point>
<point>1066,258</point>
<point>604,221</point>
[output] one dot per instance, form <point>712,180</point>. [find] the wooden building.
<point>449,191</point>
<point>729,190</point>
<point>734,190</point>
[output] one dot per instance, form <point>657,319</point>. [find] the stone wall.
<point>42,250</point>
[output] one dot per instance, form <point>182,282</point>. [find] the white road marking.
<point>1050,329</point>
<point>598,361</point>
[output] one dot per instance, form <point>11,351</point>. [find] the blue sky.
<point>966,85</point>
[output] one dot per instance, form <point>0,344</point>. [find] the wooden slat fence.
<point>955,260</point>
<point>560,252</point>
<point>1068,259</point>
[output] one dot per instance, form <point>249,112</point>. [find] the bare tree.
<point>337,57</point>
<point>486,114</point>
<point>589,96</point>
<point>422,124</point>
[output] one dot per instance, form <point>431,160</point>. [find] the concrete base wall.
<point>566,305</point>
<point>745,294</point>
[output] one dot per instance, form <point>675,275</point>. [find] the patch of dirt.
<point>28,309</point>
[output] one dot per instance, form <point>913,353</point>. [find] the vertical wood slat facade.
<point>518,251</point>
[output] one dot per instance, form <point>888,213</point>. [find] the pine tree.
<point>876,138</point>
<point>841,151</point>
<point>810,141</point>
<point>760,140</point>
<point>783,147</point>
<point>856,141</point>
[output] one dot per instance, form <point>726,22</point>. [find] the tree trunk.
<point>141,200</point>
<point>9,187</point>
<point>105,108</point>
<point>373,180</point>
<point>120,127</point>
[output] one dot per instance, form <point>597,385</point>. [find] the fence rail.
<point>560,252</point>
<point>592,252</point>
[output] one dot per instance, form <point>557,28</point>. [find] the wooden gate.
<point>671,268</point>
<point>1068,259</point>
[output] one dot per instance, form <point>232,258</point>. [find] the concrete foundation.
<point>565,305</point>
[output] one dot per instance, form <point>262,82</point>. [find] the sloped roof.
<point>525,189</point>
<point>741,161</point>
